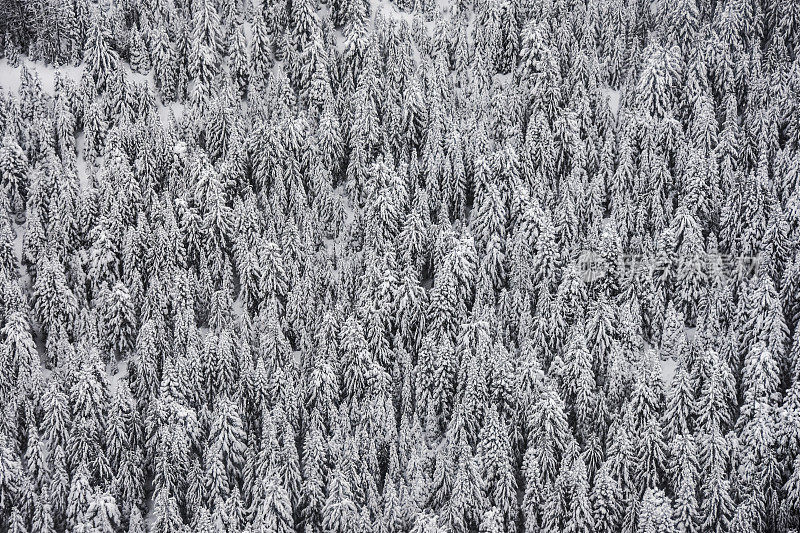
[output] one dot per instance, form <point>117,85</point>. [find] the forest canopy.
<point>412,266</point>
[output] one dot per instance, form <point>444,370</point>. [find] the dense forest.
<point>352,266</point>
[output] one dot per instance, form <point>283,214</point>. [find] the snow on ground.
<point>668,369</point>
<point>9,76</point>
<point>24,279</point>
<point>390,11</point>
<point>80,163</point>
<point>613,99</point>
<point>669,366</point>
<point>114,379</point>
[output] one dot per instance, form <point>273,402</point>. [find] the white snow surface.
<point>613,96</point>
<point>668,369</point>
<point>10,76</point>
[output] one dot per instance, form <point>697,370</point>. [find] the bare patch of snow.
<point>114,379</point>
<point>668,369</point>
<point>80,163</point>
<point>390,11</point>
<point>10,81</point>
<point>613,96</point>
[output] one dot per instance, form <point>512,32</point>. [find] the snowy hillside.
<point>399,266</point>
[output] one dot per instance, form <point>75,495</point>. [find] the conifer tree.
<point>54,302</point>
<point>102,61</point>
<point>164,64</point>
<point>14,173</point>
<point>119,319</point>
